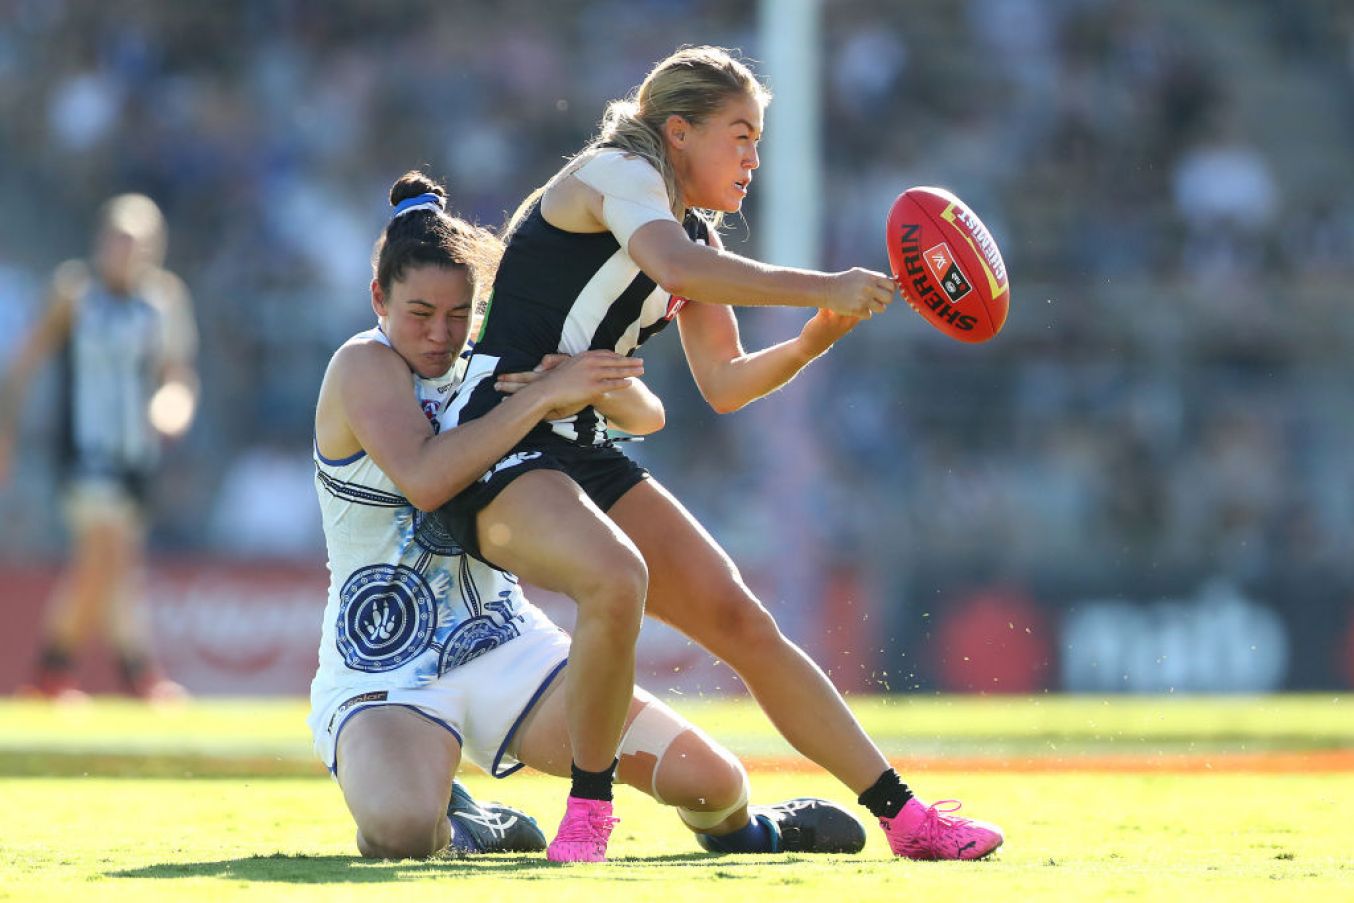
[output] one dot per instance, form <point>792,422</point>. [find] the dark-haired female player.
<point>428,654</point>
<point>603,256</point>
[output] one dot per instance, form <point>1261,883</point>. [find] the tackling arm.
<point>634,409</point>
<point>366,403</point>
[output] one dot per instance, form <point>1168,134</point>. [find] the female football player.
<point>618,243</point>
<point>428,654</point>
<point>124,332</point>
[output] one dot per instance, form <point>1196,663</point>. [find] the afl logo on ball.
<point>941,263</point>
<point>385,617</point>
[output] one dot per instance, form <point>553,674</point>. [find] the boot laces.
<point>593,827</point>
<point>935,827</point>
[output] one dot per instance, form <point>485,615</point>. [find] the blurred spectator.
<point>1227,198</point>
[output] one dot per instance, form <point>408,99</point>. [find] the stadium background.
<point>1144,484</point>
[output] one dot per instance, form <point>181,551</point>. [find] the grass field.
<point>1100,799</point>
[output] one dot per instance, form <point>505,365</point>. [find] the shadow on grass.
<point>293,869</point>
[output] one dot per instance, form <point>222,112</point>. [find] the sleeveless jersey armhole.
<point>633,193</point>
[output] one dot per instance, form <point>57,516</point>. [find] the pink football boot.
<point>583,833</point>
<point>920,831</point>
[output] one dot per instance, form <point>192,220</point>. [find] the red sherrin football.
<point>947,265</point>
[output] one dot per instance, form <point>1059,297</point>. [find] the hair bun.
<point>412,184</point>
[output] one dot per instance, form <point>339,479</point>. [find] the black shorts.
<point>133,483</point>
<point>603,472</point>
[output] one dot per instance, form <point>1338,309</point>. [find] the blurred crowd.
<point>1170,185</point>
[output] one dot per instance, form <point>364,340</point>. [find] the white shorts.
<point>482,703</point>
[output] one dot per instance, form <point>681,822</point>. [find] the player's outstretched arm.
<point>711,274</point>
<point>729,377</point>
<point>627,196</point>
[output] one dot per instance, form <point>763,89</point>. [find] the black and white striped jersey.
<point>111,367</point>
<point>564,292</point>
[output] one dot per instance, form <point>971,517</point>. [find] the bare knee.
<point>718,803</point>
<point>723,786</point>
<point>401,834</point>
<point>742,624</point>
<point>613,596</point>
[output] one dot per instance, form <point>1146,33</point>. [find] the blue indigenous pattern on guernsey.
<point>429,532</point>
<point>479,634</point>
<point>386,617</point>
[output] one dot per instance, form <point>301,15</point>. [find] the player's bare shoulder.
<point>362,357</point>
<point>571,204</point>
<point>355,361</point>
<point>364,344</point>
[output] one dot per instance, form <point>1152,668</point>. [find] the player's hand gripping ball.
<point>947,265</point>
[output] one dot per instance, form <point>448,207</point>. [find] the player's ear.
<point>675,129</point>
<point>378,299</point>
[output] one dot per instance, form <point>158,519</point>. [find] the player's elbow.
<point>427,502</point>
<point>721,394</point>
<point>651,422</point>
<point>424,494</point>
<point>725,402</point>
<point>650,419</point>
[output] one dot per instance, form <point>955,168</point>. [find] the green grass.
<point>275,827</point>
<point>251,736</point>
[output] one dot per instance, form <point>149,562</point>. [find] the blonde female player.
<point>122,327</point>
<point>427,654</point>
<point>603,256</point>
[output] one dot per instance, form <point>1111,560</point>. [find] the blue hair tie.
<point>428,201</point>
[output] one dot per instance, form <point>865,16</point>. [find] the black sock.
<point>886,796</point>
<point>132,666</point>
<point>593,785</point>
<point>55,658</point>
